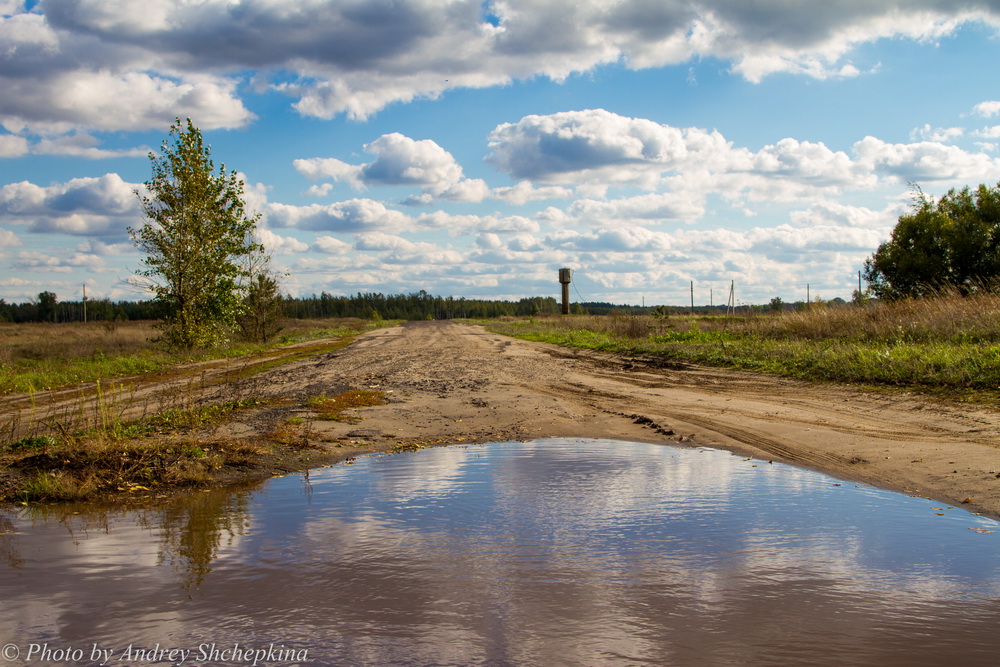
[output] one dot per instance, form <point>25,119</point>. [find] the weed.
<point>331,408</point>
<point>53,485</point>
<point>293,432</point>
<point>42,442</point>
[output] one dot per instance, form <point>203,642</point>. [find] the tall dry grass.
<point>946,342</point>
<point>946,318</point>
<point>46,340</point>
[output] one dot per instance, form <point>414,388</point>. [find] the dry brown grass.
<point>45,340</point>
<point>85,468</point>
<point>946,344</point>
<point>947,318</point>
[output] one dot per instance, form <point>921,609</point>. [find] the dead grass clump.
<point>293,432</point>
<point>631,326</point>
<point>242,453</point>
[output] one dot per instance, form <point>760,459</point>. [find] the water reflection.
<point>192,532</point>
<point>559,552</point>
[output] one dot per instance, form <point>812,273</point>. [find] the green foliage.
<point>32,443</point>
<point>46,307</point>
<point>198,239</point>
<point>954,242</point>
<point>263,307</point>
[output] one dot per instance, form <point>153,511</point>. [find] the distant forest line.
<point>416,306</point>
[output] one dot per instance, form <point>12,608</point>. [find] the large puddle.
<point>555,552</point>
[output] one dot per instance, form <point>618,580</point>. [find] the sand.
<point>452,383</point>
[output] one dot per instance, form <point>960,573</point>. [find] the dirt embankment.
<point>450,383</point>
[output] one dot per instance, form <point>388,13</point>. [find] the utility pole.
<point>85,303</point>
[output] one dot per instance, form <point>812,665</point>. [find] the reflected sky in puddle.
<point>555,552</point>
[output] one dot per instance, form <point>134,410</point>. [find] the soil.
<point>447,382</point>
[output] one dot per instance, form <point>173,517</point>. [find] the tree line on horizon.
<point>364,305</point>
<point>416,306</point>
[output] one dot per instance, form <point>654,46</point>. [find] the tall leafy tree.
<point>47,307</point>
<point>950,243</point>
<point>198,238</point>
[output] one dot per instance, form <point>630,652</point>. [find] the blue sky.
<point>474,148</point>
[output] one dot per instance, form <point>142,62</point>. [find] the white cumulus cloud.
<point>102,206</point>
<point>354,215</point>
<point>987,109</point>
<point>401,161</point>
<point>280,245</point>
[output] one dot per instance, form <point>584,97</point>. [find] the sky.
<point>471,149</point>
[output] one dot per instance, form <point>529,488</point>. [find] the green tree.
<point>198,239</point>
<point>953,242</point>
<point>46,307</point>
<point>263,308</point>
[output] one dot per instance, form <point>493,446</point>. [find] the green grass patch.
<point>934,347</point>
<point>37,358</point>
<point>332,408</point>
<point>31,375</point>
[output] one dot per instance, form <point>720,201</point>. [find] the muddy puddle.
<point>554,552</point>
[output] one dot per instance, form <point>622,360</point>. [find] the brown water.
<point>557,552</point>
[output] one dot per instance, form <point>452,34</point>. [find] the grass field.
<point>948,345</point>
<point>93,449</point>
<point>43,356</point>
<point>945,344</point>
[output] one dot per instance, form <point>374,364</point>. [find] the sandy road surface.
<point>451,382</point>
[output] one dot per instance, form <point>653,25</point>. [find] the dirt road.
<point>450,382</point>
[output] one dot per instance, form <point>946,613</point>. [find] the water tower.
<point>565,277</point>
